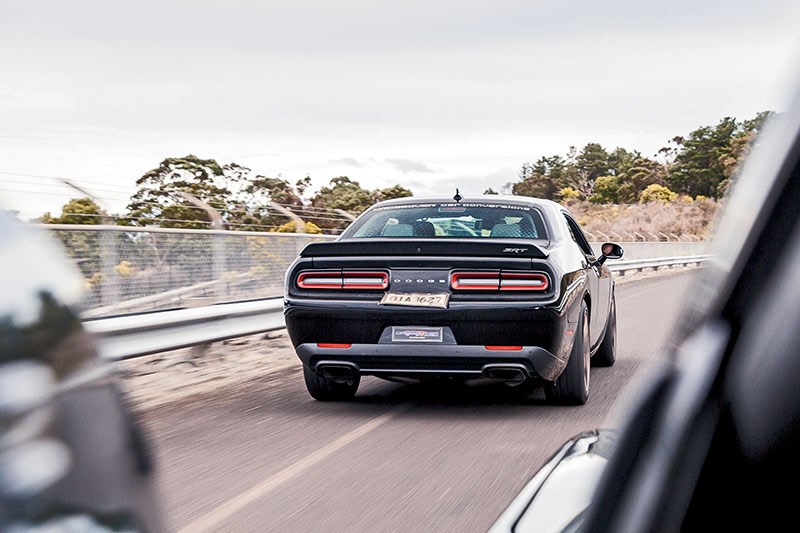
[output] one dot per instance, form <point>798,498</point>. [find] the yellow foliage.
<point>657,193</point>
<point>568,193</point>
<point>125,269</point>
<point>291,227</point>
<point>96,278</point>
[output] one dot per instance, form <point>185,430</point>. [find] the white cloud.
<point>347,162</point>
<point>417,89</point>
<point>406,165</point>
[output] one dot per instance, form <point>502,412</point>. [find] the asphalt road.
<point>263,456</point>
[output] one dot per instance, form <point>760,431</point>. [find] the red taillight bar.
<point>513,281</point>
<point>504,281</point>
<point>504,348</point>
<point>338,280</point>
<point>320,280</point>
<point>365,280</point>
<point>333,345</point>
<point>474,281</point>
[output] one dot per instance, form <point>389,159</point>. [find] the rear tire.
<point>327,389</point>
<point>606,355</point>
<point>572,386</point>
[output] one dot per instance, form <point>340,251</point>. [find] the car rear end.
<point>474,306</point>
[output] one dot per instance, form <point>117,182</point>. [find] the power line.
<point>62,179</point>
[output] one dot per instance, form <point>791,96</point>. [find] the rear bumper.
<point>427,359</point>
<point>473,324</point>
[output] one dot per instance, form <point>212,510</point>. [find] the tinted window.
<point>451,220</point>
<point>578,236</point>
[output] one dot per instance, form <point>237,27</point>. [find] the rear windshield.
<point>448,220</point>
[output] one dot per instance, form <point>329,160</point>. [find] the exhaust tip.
<point>336,371</point>
<point>512,375</point>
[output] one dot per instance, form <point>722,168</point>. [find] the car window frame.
<point>353,228</point>
<point>577,235</point>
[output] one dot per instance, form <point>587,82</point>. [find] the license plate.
<point>416,299</point>
<point>414,334</point>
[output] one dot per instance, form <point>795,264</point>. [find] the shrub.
<point>657,193</point>
<point>568,193</point>
<point>291,227</point>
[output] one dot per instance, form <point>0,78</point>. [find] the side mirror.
<point>610,250</point>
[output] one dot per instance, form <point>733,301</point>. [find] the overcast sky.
<point>431,95</point>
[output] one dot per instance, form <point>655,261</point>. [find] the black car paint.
<point>543,321</point>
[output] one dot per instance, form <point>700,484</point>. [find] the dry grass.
<point>684,218</point>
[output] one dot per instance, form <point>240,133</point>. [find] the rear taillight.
<point>319,280</point>
<point>504,281</point>
<point>513,281</point>
<point>474,281</point>
<point>365,280</point>
<point>337,280</point>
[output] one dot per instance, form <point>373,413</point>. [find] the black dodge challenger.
<point>493,287</point>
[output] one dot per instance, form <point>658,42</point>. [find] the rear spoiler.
<point>427,247</point>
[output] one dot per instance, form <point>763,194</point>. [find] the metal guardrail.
<point>622,267</point>
<point>125,337</point>
<point>130,336</point>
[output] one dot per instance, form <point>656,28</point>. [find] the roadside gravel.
<point>167,377</point>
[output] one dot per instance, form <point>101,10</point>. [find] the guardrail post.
<point>299,224</point>
<point>345,214</point>
<point>217,244</point>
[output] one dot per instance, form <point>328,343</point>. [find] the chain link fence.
<point>140,269</point>
<point>129,270</point>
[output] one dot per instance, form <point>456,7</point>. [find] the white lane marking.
<point>222,513</point>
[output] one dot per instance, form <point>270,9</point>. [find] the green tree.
<point>542,179</point>
<point>396,191</point>
<point>82,246</point>
<point>275,190</point>
<point>620,160</point>
<point>699,165</point>
<point>584,167</point>
<point>709,157</point>
<point>77,211</point>
<point>343,193</point>
<point>641,173</point>
<point>592,162</point>
<point>156,201</point>
<point>606,190</point>
<point>548,176</point>
<point>741,145</point>
<point>254,206</point>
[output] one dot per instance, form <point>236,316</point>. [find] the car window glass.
<point>578,236</point>
<point>451,221</point>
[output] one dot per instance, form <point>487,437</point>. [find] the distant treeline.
<point>696,167</point>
